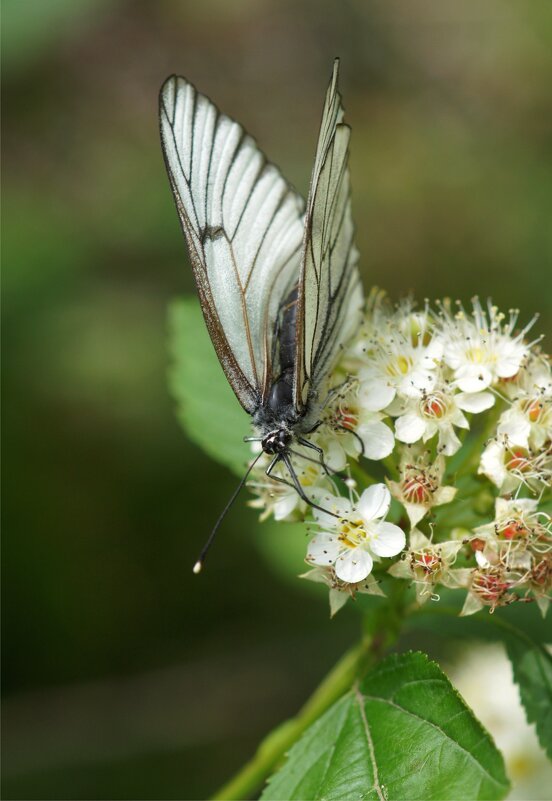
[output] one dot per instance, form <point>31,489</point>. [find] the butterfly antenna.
<point>201,560</point>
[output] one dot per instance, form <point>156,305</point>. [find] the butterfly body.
<point>278,410</point>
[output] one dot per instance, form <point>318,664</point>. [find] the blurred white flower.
<point>358,534</point>
<point>528,421</point>
<point>483,676</point>
<point>508,466</point>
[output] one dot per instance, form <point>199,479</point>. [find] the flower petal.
<point>492,463</point>
<point>409,428</point>
<point>459,577</point>
<point>444,495</point>
<point>510,356</point>
<point>334,453</point>
<point>389,540</point>
<point>472,604</point>
<point>472,378</point>
<point>333,503</point>
<point>418,540</point>
<point>377,438</point>
<point>401,569</point>
<point>474,402</point>
<point>415,512</point>
<point>285,505</point>
<point>417,382</point>
<point>516,427</point>
<point>374,502</point>
<point>448,441</point>
<point>323,549</point>
<point>375,395</point>
<point>354,565</point>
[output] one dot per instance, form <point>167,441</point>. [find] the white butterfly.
<point>278,282</point>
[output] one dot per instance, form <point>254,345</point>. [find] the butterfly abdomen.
<point>280,407</point>
<point>287,331</point>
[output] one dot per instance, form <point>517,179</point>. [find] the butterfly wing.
<point>243,226</point>
<point>330,297</point>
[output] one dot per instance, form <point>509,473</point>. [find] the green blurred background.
<point>125,676</point>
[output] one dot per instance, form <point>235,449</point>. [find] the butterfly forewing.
<point>330,293</point>
<point>243,226</point>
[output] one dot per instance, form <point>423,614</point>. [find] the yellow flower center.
<point>400,366</point>
<point>476,355</point>
<point>309,476</point>
<point>351,533</point>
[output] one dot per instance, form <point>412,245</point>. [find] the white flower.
<point>427,564</point>
<point>528,421</point>
<point>518,533</point>
<point>508,466</point>
<point>482,349</point>
<point>355,535</point>
<point>419,488</point>
<point>351,430</point>
<point>400,359</point>
<point>491,586</point>
<point>533,377</point>
<point>439,411</point>
<point>513,519</point>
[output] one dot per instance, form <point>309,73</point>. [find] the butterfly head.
<point>276,441</point>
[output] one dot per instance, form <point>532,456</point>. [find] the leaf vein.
<point>439,729</point>
<point>376,786</point>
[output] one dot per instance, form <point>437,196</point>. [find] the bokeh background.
<point>125,676</point>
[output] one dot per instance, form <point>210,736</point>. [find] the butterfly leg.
<point>270,474</point>
<point>320,452</point>
<point>355,435</point>
<point>296,485</point>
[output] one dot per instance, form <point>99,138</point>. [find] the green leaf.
<point>532,667</point>
<point>207,407</point>
<point>404,733</point>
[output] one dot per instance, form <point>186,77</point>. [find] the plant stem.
<point>274,747</point>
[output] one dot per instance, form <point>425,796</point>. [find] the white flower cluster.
<point>405,395</point>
